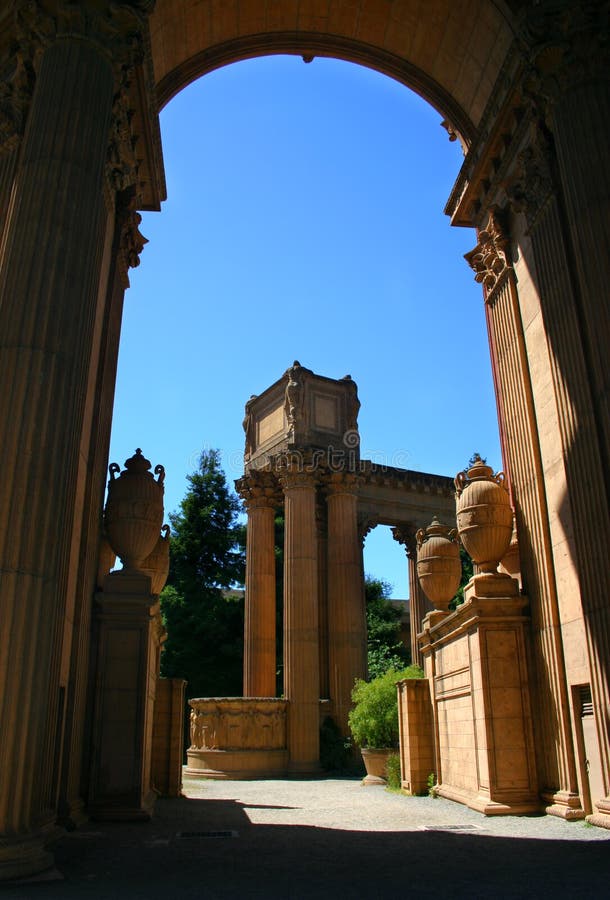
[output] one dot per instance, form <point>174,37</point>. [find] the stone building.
<point>525,88</point>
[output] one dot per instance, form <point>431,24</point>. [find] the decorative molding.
<point>567,44</point>
<point>532,186</point>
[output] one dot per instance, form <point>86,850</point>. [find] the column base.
<point>601,818</point>
<point>127,810</point>
<point>565,805</point>
<point>21,857</point>
<point>483,803</point>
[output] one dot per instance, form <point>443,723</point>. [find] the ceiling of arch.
<point>449,51</point>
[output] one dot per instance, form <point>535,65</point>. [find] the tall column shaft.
<point>301,656</point>
<point>346,615</point>
<point>48,295</point>
<point>259,636</point>
<point>419,605</point>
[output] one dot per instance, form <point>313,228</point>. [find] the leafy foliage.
<point>384,649</point>
<point>392,770</point>
<point>374,719</point>
<point>203,618</point>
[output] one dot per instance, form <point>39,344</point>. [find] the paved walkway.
<point>326,838</point>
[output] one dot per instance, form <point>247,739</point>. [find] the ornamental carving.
<point>293,398</point>
<point>405,535</point>
<point>259,489</point>
<point>532,187</point>
<point>366,523</point>
<point>490,258</point>
<point>566,44</point>
<point>131,240</point>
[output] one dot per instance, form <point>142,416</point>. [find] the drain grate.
<point>449,827</point>
<point>189,835</point>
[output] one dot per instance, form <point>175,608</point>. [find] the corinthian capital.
<point>532,185</point>
<point>259,489</point>
<point>490,258</point>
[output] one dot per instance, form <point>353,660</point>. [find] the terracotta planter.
<point>438,563</point>
<point>134,510</point>
<point>484,515</point>
<point>157,563</point>
<point>375,761</point>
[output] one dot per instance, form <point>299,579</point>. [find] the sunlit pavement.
<point>322,838</point>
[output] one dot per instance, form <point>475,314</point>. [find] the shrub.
<point>374,719</point>
<point>392,769</point>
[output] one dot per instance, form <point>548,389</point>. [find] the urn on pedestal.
<point>134,510</point>
<point>438,563</point>
<point>484,515</point>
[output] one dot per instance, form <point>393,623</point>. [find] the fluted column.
<point>49,275</point>
<point>259,493</point>
<point>322,531</point>
<point>419,605</point>
<point>301,655</point>
<point>531,489</point>
<point>346,615</point>
<point>572,89</point>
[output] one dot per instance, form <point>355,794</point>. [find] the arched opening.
<point>304,220</point>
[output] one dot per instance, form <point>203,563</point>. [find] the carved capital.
<point>340,483</point>
<point>295,471</point>
<point>405,535</point>
<point>490,258</point>
<point>567,44</point>
<point>366,523</point>
<point>259,489</point>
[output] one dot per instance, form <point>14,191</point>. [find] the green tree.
<point>204,619</point>
<point>384,648</point>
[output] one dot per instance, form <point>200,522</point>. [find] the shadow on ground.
<point>210,849</point>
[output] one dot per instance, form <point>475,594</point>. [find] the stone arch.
<point>527,88</point>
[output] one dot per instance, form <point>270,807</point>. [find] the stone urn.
<point>484,515</point>
<point>439,568</point>
<point>106,560</point>
<point>134,510</point>
<point>156,563</point>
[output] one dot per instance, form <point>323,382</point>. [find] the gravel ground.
<point>322,838</point>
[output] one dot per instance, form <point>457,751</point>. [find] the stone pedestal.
<point>416,729</point>
<point>347,632</point>
<point>476,663</point>
<point>301,657</point>
<point>168,737</point>
<point>128,642</point>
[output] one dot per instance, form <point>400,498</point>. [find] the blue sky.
<point>304,220</point>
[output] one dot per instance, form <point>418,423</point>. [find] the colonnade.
<point>310,550</point>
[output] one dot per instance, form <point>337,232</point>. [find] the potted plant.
<point>373,720</point>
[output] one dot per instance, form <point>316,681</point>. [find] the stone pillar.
<point>259,492</point>
<point>122,223</point>
<point>301,654</point>
<point>570,89</point>
<point>419,605</point>
<point>50,270</point>
<point>534,490</point>
<point>346,616</point>
<point>122,735</point>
